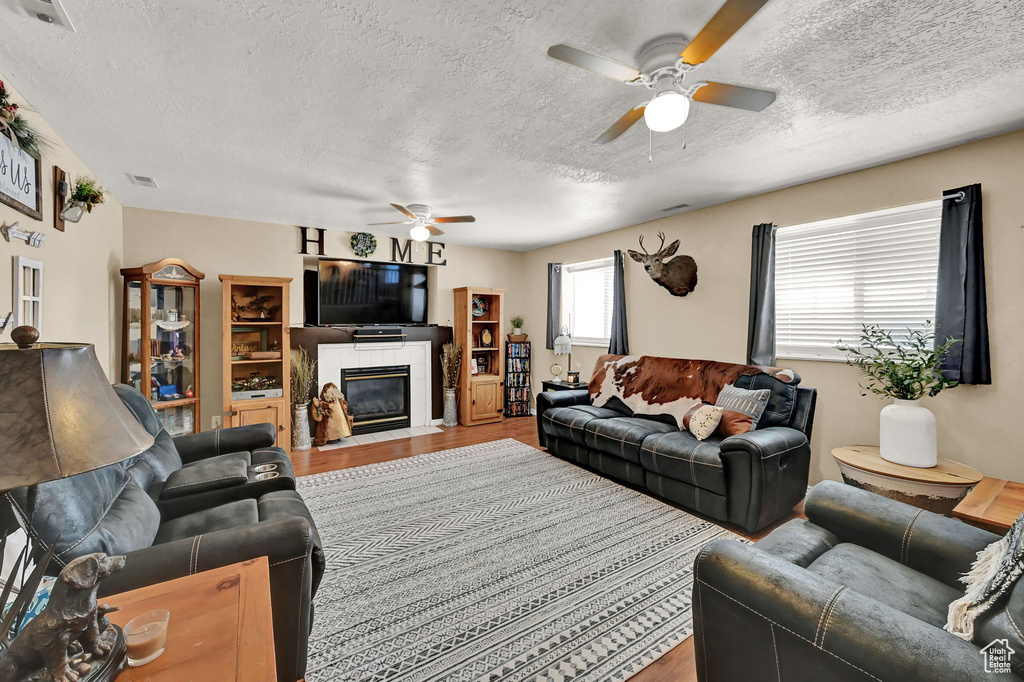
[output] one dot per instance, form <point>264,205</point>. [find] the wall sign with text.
<point>20,179</point>
<point>401,249</point>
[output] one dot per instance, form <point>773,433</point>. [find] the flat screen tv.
<point>359,292</point>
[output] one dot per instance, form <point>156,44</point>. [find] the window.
<point>28,292</point>
<point>833,276</point>
<point>587,301</point>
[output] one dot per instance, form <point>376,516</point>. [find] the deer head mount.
<point>678,275</point>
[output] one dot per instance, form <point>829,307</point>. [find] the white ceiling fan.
<point>423,225</point>
<point>664,65</point>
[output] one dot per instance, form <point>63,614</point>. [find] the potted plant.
<point>906,370</point>
<point>303,367</point>
<point>517,324</point>
<point>86,193</point>
<point>451,365</point>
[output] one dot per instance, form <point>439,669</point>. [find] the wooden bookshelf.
<point>263,326</point>
<point>481,399</point>
<point>517,378</point>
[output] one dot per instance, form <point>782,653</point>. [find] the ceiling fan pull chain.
<point>650,146</point>
<point>684,136</point>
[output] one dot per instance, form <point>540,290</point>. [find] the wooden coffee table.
<point>220,629</point>
<point>994,505</point>
<point>937,489</point>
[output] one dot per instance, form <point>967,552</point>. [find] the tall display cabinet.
<point>160,354</point>
<point>256,352</point>
<point>479,328</point>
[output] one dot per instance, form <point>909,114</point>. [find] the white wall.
<point>977,424</point>
<point>81,266</point>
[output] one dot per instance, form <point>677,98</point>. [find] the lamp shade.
<point>563,342</point>
<point>59,415</point>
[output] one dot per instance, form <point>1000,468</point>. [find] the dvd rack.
<point>517,379</point>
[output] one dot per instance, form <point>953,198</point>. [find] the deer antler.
<point>642,245</point>
<point>661,236</point>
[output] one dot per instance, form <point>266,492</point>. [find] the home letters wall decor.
<point>20,179</point>
<point>402,250</point>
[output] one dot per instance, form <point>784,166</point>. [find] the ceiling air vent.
<point>675,208</point>
<point>143,181</point>
<point>48,11</point>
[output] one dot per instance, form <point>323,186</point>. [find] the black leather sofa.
<point>749,480</point>
<point>858,591</point>
<point>123,509</point>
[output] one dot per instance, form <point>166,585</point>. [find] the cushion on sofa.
<point>622,436</point>
<point>742,409</point>
<point>568,423</point>
<point>100,511</point>
<point>781,402</point>
<point>679,455</point>
<point>651,386</point>
<point>886,581</point>
<point>230,515</point>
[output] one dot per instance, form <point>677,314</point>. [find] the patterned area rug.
<point>496,562</point>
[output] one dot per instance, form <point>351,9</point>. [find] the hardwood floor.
<point>677,665</point>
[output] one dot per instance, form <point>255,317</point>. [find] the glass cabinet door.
<point>135,374</point>
<point>172,355</point>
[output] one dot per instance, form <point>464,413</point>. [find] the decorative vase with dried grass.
<point>451,365</point>
<point>303,368</point>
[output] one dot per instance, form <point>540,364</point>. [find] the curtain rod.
<point>955,196</point>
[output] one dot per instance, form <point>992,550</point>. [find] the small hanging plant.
<point>13,123</point>
<point>89,192</point>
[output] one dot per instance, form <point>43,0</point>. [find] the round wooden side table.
<point>937,489</point>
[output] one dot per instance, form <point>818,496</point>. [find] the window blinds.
<point>833,276</point>
<point>587,301</point>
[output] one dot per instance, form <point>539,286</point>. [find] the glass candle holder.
<point>146,637</point>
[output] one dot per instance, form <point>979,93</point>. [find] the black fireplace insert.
<point>378,397</point>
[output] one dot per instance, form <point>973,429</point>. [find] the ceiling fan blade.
<point>400,222</point>
<point>404,210</point>
<point>734,96</point>
<point>729,18</point>
<point>456,219</point>
<point>621,126</point>
<point>593,63</point>
<point>434,231</point>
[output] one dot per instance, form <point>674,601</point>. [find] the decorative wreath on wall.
<point>363,244</point>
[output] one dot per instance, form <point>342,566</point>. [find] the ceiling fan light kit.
<point>664,65</point>
<point>667,111</point>
<point>423,222</point>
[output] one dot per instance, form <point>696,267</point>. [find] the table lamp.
<point>563,346</point>
<point>59,417</point>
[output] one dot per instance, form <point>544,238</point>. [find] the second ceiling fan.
<point>663,68</point>
<point>423,224</point>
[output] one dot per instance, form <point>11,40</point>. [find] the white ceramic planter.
<point>517,330</point>
<point>907,434</point>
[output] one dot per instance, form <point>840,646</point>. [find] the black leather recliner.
<point>858,591</point>
<point>113,510</point>
<point>750,480</point>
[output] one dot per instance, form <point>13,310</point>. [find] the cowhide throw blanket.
<point>997,569</point>
<point>650,385</point>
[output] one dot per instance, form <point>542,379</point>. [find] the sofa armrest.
<point>765,473</point>
<point>199,446</point>
<point>548,399</point>
<point>791,621</point>
<point>940,547</point>
<point>287,544</point>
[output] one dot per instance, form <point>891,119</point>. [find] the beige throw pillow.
<point>702,420</point>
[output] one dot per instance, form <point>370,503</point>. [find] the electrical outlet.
<point>217,422</point>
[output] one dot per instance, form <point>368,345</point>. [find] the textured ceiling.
<point>320,113</point>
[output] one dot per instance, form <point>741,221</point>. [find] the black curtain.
<point>761,319</point>
<point>960,308</point>
<point>619,343</point>
<point>554,303</point>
